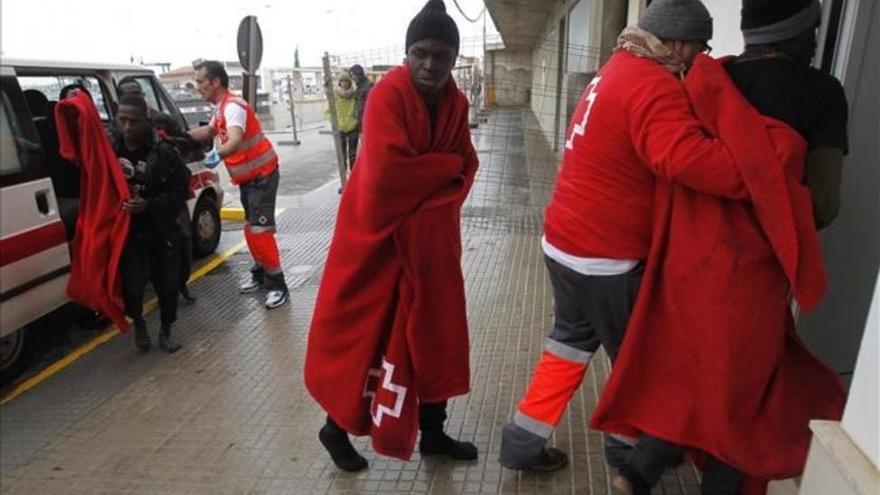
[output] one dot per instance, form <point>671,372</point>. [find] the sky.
<point>179,31</point>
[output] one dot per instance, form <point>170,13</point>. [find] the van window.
<point>149,93</point>
<point>9,162</point>
<point>51,86</point>
<point>22,156</point>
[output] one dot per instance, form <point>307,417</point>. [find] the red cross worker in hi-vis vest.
<point>252,165</point>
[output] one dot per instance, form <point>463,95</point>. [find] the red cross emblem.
<point>374,378</point>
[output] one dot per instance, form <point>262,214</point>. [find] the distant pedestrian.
<point>362,91</point>
<point>346,118</point>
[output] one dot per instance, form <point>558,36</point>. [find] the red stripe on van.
<point>20,246</point>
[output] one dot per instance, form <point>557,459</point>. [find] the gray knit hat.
<point>680,20</point>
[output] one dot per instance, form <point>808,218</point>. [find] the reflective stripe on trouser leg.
<point>556,378</point>
<point>251,244</point>
<point>558,375</point>
<point>264,249</point>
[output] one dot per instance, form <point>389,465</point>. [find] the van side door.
<point>34,256</point>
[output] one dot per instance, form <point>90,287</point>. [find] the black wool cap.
<point>757,13</point>
<point>769,21</point>
<point>432,22</point>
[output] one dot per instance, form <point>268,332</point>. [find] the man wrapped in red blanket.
<point>711,360</point>
<point>388,343</point>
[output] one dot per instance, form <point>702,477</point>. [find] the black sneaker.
<point>341,450</point>
<point>167,342</point>
<point>141,336</point>
<point>435,442</point>
<point>551,459</point>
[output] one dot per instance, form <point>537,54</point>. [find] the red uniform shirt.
<point>632,126</point>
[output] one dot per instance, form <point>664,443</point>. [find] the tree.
<point>296,57</point>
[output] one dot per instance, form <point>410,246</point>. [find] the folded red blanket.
<point>101,226</point>
<point>390,328</point>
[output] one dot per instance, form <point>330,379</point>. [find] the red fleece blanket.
<point>101,227</point>
<point>711,359</point>
<point>389,328</point>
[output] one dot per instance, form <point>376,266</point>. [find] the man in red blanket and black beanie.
<point>711,350</point>
<point>389,342</point>
<point>632,129</point>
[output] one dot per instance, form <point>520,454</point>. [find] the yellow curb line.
<point>232,213</point>
<point>109,334</point>
<point>238,213</point>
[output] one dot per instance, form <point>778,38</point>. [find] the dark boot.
<point>188,298</point>
<point>141,336</point>
<point>629,482</point>
<point>336,441</point>
<point>434,441</point>
<point>166,342</point>
<point>551,459</point>
<point>437,442</point>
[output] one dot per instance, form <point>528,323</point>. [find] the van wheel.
<point>16,354</point>
<point>205,226</point>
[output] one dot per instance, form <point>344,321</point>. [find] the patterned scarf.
<point>644,44</point>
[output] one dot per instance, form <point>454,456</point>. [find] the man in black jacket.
<point>775,75</point>
<point>171,132</point>
<point>158,183</point>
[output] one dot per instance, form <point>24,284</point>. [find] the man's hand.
<point>134,205</point>
<point>212,159</point>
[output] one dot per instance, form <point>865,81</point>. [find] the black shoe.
<point>141,336</point>
<point>340,449</point>
<point>188,298</point>
<point>437,442</point>
<point>167,343</point>
<point>552,459</point>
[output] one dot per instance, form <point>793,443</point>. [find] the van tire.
<point>206,226</point>
<point>16,354</point>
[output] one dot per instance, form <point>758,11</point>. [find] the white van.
<point>40,190</point>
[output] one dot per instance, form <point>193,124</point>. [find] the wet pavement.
<point>229,413</point>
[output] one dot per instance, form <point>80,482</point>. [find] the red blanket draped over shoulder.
<point>389,328</point>
<point>101,227</point>
<point>711,359</point>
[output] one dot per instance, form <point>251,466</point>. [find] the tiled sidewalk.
<point>229,413</point>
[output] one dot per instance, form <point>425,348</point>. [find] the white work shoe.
<point>276,298</point>
<point>250,285</point>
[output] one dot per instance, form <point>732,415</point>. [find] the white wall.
<point>860,419</point>
<point>727,39</point>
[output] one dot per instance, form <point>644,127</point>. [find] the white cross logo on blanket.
<point>399,391</point>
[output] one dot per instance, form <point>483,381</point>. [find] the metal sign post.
<point>250,53</point>
<point>334,120</point>
<point>290,92</point>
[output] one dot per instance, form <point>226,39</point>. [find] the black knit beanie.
<point>432,22</point>
<point>769,21</point>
